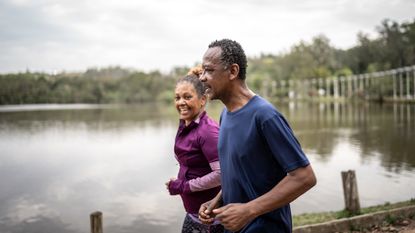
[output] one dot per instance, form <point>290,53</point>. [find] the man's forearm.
<point>217,201</point>
<point>288,189</point>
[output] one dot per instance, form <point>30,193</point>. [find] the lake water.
<point>59,163</point>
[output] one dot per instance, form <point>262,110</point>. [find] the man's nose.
<point>202,77</point>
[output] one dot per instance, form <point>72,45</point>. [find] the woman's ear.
<point>203,100</point>
<point>234,71</point>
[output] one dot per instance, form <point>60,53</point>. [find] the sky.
<point>74,35</point>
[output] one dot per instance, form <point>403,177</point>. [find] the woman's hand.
<point>178,186</point>
<point>168,182</point>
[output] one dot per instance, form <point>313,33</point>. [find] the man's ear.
<point>234,71</point>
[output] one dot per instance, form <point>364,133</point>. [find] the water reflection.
<point>107,117</point>
<point>35,224</point>
<point>59,165</point>
<point>375,140</point>
<point>144,223</point>
<point>385,130</point>
<point>63,165</point>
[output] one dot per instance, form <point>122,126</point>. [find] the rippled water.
<point>59,163</point>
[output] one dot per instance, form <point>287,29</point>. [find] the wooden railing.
<point>396,84</point>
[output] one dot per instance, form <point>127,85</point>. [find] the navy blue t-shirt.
<point>257,149</point>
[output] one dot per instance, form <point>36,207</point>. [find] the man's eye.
<point>208,70</point>
<point>187,97</point>
<point>176,98</point>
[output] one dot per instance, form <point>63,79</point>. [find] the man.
<point>263,166</point>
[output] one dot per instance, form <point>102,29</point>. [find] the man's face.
<point>215,74</point>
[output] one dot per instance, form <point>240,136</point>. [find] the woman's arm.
<point>207,181</point>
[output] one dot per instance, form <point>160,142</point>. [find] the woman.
<point>196,151</point>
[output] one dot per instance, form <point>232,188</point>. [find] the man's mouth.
<point>208,90</point>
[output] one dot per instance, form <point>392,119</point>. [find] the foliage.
<point>393,48</point>
<point>89,87</point>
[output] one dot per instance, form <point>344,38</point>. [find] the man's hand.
<point>206,216</point>
<point>234,216</point>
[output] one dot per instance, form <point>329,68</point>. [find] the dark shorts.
<point>190,226</point>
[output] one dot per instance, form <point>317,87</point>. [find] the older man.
<point>262,163</point>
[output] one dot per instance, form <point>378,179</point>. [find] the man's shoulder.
<point>263,108</point>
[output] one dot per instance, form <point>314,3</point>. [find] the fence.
<point>397,85</point>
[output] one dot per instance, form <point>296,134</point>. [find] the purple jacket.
<point>195,147</point>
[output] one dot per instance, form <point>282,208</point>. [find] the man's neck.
<point>238,96</point>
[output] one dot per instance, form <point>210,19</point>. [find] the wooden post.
<point>351,196</point>
<point>291,89</point>
<point>401,94</point>
<point>328,86</point>
<point>273,87</point>
<point>96,222</point>
<point>349,86</point>
<point>408,86</point>
<point>336,87</point>
<point>356,87</point>
<point>361,83</point>
<point>413,67</point>
<point>394,83</point>
<point>366,85</point>
<point>321,85</point>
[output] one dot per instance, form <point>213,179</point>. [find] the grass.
<point>313,218</point>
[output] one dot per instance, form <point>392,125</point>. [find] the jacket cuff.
<point>176,187</point>
<point>186,187</point>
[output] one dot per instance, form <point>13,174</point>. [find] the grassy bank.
<point>304,219</point>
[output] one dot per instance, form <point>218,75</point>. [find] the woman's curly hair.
<point>192,77</point>
<point>197,70</point>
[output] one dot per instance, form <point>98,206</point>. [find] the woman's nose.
<point>181,101</point>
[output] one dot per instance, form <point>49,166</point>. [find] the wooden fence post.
<point>96,222</point>
<point>351,196</point>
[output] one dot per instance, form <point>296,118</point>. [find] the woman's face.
<point>188,103</point>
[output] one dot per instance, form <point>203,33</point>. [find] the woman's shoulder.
<point>208,122</point>
<point>207,127</point>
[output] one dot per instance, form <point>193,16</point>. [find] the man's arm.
<point>235,216</point>
<point>205,211</point>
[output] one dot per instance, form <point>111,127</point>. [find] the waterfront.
<point>59,163</point>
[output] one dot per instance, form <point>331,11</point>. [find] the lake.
<point>59,163</point>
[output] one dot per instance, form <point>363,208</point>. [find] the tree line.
<point>393,47</point>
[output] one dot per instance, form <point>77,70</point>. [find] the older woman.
<point>196,151</point>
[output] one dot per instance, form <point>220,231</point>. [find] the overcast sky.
<point>73,35</point>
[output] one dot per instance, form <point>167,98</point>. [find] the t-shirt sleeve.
<point>209,143</point>
<point>284,147</point>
